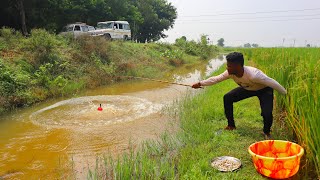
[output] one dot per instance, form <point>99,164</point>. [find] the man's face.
<point>233,68</point>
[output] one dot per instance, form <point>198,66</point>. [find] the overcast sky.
<point>265,22</point>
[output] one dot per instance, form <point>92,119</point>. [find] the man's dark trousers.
<point>265,96</point>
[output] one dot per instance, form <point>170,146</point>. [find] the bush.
<point>181,42</point>
<point>94,45</point>
<point>172,54</point>
<point>13,85</point>
<point>192,48</point>
<point>202,48</point>
<point>3,45</point>
<point>9,38</point>
<point>44,46</point>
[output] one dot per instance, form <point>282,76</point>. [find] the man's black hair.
<point>235,57</point>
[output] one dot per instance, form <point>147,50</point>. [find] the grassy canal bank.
<point>46,65</point>
<point>187,154</point>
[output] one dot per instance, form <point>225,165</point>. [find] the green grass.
<point>187,154</point>
<point>154,160</point>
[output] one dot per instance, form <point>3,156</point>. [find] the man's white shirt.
<point>253,79</point>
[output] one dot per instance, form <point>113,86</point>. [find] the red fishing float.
<point>100,108</point>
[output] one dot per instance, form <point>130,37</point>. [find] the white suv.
<point>78,29</point>
<point>114,30</point>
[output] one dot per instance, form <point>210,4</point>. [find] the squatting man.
<point>252,82</point>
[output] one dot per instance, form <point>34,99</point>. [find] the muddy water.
<point>52,139</point>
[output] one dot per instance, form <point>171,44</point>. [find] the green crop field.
<point>297,69</point>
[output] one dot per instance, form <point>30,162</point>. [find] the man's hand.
<point>196,85</point>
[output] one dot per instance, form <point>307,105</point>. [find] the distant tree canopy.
<point>248,45</point>
<point>254,45</point>
<point>181,41</point>
<point>148,18</point>
<point>221,42</point>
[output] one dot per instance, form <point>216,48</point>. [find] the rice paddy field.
<point>297,69</point>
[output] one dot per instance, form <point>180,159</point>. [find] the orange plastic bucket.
<point>275,158</point>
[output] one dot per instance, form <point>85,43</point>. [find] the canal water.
<point>51,139</point>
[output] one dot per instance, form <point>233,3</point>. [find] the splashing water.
<point>82,112</point>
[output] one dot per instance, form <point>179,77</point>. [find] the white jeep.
<point>78,29</point>
<point>114,30</point>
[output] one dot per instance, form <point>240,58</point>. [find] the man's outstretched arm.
<point>212,80</point>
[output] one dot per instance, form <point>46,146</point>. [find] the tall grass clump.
<point>9,38</point>
<point>298,70</point>
<point>154,160</point>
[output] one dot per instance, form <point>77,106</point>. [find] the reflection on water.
<point>53,138</point>
<point>214,65</point>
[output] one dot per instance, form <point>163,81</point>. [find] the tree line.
<point>148,18</point>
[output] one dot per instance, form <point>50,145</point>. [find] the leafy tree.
<point>20,7</point>
<point>12,13</point>
<point>255,45</point>
<point>221,42</point>
<point>204,40</point>
<point>135,19</point>
<point>158,15</point>
<point>181,42</point>
<point>181,39</point>
<point>247,45</point>
<point>148,18</point>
